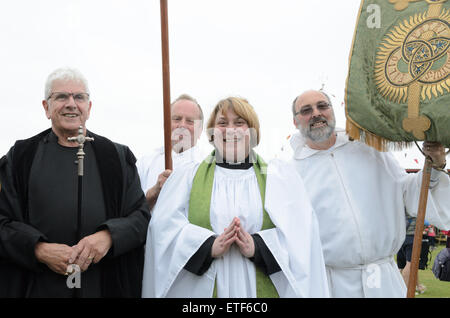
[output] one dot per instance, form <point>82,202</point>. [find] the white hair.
<point>66,74</point>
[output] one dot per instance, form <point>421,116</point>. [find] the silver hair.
<point>321,134</point>
<point>67,74</point>
<point>192,99</point>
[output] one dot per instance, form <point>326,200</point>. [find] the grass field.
<point>435,287</point>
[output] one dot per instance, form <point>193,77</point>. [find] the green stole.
<point>199,211</point>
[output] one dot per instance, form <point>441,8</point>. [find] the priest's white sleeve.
<point>438,202</point>
<point>440,193</point>
<point>171,242</point>
<point>295,242</point>
<point>148,171</point>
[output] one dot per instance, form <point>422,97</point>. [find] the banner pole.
<point>166,84</point>
<point>420,220</point>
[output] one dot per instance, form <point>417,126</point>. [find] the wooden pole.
<point>166,84</point>
<point>420,220</point>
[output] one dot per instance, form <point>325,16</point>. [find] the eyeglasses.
<point>308,109</point>
<point>64,97</point>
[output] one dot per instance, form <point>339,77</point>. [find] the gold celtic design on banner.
<point>413,62</point>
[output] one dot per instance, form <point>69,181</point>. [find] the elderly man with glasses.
<point>360,197</point>
<point>43,233</point>
<point>186,124</point>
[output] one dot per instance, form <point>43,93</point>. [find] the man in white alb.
<point>360,197</point>
<point>187,126</point>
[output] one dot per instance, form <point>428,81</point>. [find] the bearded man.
<point>360,197</point>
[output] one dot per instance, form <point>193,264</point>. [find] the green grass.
<point>435,287</point>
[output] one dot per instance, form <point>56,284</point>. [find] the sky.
<point>267,51</point>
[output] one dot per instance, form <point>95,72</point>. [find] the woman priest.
<point>232,226</point>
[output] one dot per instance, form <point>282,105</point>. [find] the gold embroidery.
<point>413,62</point>
<point>401,4</point>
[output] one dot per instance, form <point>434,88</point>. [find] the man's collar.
<point>53,137</point>
<point>302,150</point>
<point>188,152</point>
<point>185,153</point>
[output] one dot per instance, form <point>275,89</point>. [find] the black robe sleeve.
<point>263,257</point>
<point>200,262</point>
<point>17,239</point>
<point>129,231</point>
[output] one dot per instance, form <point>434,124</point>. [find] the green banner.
<point>398,88</point>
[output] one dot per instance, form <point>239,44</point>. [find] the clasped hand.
<point>233,234</point>
<point>91,249</point>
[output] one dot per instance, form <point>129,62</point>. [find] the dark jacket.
<point>127,219</point>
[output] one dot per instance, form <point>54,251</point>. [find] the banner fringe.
<point>375,141</point>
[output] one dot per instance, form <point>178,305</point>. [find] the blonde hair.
<point>242,108</point>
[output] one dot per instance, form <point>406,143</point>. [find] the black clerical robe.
<point>38,204</point>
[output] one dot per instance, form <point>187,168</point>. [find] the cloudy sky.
<point>267,51</point>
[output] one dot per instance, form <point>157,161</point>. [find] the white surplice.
<point>295,242</point>
<point>360,197</point>
<point>149,167</point>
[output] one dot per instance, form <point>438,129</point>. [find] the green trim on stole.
<point>199,211</point>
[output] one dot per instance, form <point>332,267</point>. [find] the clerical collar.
<point>238,166</point>
<point>52,137</point>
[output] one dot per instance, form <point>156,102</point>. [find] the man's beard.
<point>318,134</point>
